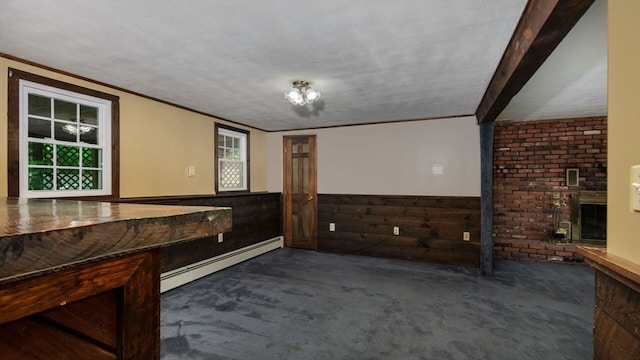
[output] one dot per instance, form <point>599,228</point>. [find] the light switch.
<point>191,171</point>
<point>635,187</point>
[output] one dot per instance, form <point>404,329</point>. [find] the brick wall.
<point>530,162</point>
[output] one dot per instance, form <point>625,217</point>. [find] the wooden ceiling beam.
<point>543,25</point>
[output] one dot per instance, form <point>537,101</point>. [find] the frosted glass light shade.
<point>302,93</point>
<point>294,96</point>
<point>312,95</point>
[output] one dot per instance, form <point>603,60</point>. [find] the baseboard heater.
<point>178,277</point>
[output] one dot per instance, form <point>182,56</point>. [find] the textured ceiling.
<point>573,80</point>
<point>373,60</point>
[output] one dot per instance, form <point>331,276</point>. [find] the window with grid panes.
<point>64,143</point>
<point>232,160</point>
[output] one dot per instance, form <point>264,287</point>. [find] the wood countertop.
<point>623,270</point>
<point>39,236</point>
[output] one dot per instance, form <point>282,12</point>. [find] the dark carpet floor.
<point>297,304</point>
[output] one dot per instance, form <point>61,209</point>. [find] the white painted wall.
<point>391,159</point>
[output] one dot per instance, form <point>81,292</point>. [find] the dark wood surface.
<point>81,317</point>
<point>300,194</point>
<point>431,227</point>
<point>99,310</point>
<point>256,217</point>
<point>40,236</point>
<point>621,269</point>
<point>16,343</point>
<point>64,287</point>
<point>139,312</point>
<point>81,280</point>
<point>542,27</point>
<point>616,330</point>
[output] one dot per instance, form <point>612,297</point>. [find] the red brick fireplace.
<point>542,171</point>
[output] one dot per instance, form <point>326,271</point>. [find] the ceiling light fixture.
<point>302,93</point>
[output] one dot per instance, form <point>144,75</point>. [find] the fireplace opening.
<point>589,217</point>
<point>593,218</point>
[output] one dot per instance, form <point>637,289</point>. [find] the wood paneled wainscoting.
<point>256,218</point>
<point>430,227</point>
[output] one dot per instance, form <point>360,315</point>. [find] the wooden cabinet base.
<point>616,330</point>
<point>106,310</point>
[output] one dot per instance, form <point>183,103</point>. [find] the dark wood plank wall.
<point>256,217</point>
<point>431,227</point>
<point>616,332</point>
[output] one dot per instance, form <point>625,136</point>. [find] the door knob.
<point>310,198</point>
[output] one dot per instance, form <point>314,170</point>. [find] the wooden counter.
<point>80,280</point>
<point>616,324</point>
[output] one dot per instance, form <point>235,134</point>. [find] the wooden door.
<point>300,192</point>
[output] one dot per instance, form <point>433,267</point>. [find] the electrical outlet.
<point>332,226</point>
<point>466,236</point>
<point>396,230</point>
<point>220,238</point>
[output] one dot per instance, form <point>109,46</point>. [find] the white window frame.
<point>243,159</point>
<point>104,139</point>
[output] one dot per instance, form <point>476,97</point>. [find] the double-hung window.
<point>232,159</point>
<point>65,142</point>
